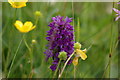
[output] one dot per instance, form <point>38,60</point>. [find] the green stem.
<point>27,44</point>
<point>73,16</point>
<point>15,15</point>
<point>30,53</point>
<point>57,69</point>
<point>109,65</point>
<point>37,18</point>
<point>65,65</point>
<point>111,47</point>
<point>73,11</point>
<point>36,22</point>
<point>111,42</point>
<point>106,69</point>
<point>74,71</point>
<point>14,58</point>
<point>109,59</point>
<point>78,31</point>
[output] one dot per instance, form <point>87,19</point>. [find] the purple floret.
<point>60,38</point>
<point>118,3</point>
<point>118,13</point>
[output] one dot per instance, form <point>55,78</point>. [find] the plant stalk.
<point>65,65</point>
<point>14,57</point>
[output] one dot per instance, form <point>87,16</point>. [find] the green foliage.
<point>96,24</point>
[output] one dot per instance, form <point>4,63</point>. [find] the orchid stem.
<point>57,69</point>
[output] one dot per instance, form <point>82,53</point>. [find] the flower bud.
<point>62,55</point>
<point>77,45</point>
<point>38,13</point>
<point>34,41</point>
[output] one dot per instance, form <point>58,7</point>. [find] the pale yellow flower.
<point>79,54</point>
<point>18,3</point>
<point>75,61</point>
<point>26,27</point>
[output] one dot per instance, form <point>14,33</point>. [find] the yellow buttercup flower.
<point>18,3</point>
<point>26,27</point>
<point>78,53</point>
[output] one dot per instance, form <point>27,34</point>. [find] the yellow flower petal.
<point>84,50</point>
<point>32,28</point>
<point>81,53</point>
<point>20,0</point>
<point>75,61</point>
<point>17,3</point>
<point>10,1</point>
<point>27,26</point>
<point>18,24</point>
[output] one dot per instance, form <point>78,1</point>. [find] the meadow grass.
<point>98,30</point>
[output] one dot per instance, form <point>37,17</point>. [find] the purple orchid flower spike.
<point>118,3</point>
<point>118,13</point>
<point>60,38</point>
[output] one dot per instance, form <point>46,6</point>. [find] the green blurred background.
<point>98,32</point>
